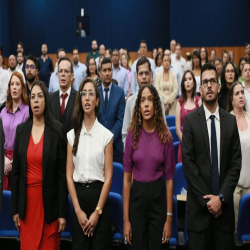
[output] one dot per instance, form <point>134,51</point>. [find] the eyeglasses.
<point>141,73</point>
<point>29,66</point>
<point>84,93</point>
<point>230,71</point>
<point>34,97</point>
<point>212,81</point>
<point>92,64</point>
<point>66,71</point>
<point>143,47</point>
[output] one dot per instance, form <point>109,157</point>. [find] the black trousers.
<point>88,197</point>
<point>147,214</point>
<point>213,238</point>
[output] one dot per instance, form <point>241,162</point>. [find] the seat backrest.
<point>179,179</point>
<point>68,227</point>
<point>6,218</point>
<point>176,147</point>
<point>175,220</point>
<point>244,216</point>
<point>174,135</point>
<point>116,209</point>
<point>117,181</point>
<point>170,119</point>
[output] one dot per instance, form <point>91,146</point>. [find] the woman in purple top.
<point>149,154</point>
<point>15,112</point>
<point>188,102</point>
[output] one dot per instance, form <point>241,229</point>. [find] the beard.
<point>44,53</point>
<point>30,78</point>
<point>94,50</point>
<point>12,68</point>
<point>75,61</point>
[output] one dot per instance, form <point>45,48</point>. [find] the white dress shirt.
<point>103,91</point>
<point>67,98</point>
<point>217,128</point>
<point>4,80</point>
<point>90,158</point>
<point>247,98</point>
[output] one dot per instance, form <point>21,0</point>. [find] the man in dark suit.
<point>211,156</point>
<point>1,160</point>
<point>63,100</point>
<point>112,108</point>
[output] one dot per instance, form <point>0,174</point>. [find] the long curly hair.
<point>161,128</point>
<point>78,113</point>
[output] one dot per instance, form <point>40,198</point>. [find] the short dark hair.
<point>142,61</point>
<point>143,41</point>
<point>247,63</point>
<point>114,51</point>
<point>66,59</point>
<point>242,59</point>
<point>178,44</point>
<point>75,48</point>
<point>61,49</point>
<point>208,66</point>
<point>32,58</point>
<point>19,52</point>
<point>217,59</point>
<point>246,44</point>
<point>105,61</point>
<point>20,43</point>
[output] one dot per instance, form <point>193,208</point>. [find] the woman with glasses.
<point>39,188</point>
<point>15,112</point>
<point>228,76</point>
<point>92,71</point>
<point>167,86</point>
<point>236,105</point>
<point>89,171</point>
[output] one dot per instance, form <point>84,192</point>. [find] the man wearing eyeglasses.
<point>143,76</point>
<point>63,100</point>
<point>12,67</point>
<point>30,72</point>
<point>211,156</point>
<point>143,53</point>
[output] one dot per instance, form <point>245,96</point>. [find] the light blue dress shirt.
<point>134,84</point>
<point>79,74</point>
<point>121,76</point>
<point>104,92</point>
<point>54,82</point>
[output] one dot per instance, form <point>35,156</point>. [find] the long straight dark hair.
<point>78,114</point>
<point>48,115</point>
<point>183,90</point>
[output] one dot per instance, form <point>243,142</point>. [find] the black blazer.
<point>55,194</point>
<point>2,139</point>
<point>197,168</point>
<point>66,118</point>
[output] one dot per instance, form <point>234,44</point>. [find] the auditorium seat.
<point>174,135</point>
<point>66,234</point>
<point>176,146</point>
<point>116,210</point>
<point>117,181</point>
<point>7,225</point>
<point>243,229</point>
<point>179,179</point>
<point>170,119</point>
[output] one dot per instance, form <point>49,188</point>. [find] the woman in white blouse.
<point>236,105</point>
<point>89,171</point>
<point>167,86</point>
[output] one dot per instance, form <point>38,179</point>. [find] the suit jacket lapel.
<point>222,133</point>
<point>203,125</point>
<point>46,147</point>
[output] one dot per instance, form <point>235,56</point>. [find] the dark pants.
<point>147,214</point>
<point>213,238</point>
<point>88,198</point>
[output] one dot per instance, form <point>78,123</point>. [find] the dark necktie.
<point>214,154</point>
<point>63,96</point>
<point>106,98</point>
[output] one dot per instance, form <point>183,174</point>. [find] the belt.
<point>86,185</point>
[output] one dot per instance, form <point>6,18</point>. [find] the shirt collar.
<point>208,113</point>
<point>109,87</point>
<point>119,67</point>
<point>68,92</point>
<point>93,130</point>
<point>20,107</point>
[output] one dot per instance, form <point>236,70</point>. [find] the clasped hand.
<point>88,225</point>
<point>214,205</point>
<point>7,165</point>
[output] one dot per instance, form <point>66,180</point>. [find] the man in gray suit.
<point>1,160</point>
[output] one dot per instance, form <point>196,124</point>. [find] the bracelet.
<point>170,214</point>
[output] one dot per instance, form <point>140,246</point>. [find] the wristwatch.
<point>222,198</point>
<point>99,210</point>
